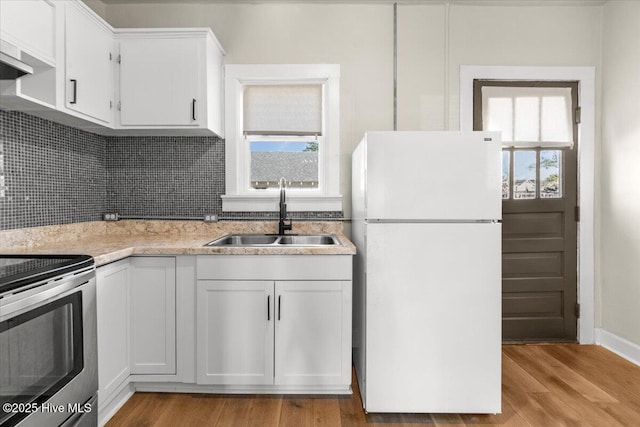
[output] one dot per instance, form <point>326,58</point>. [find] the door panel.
<point>153,315</point>
<point>425,160</point>
<point>313,334</point>
<point>423,282</point>
<point>539,239</point>
<point>88,65</point>
<point>159,82</point>
<point>235,332</point>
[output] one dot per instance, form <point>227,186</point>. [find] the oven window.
<point>40,352</point>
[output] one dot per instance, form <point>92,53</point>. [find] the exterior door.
<point>539,207</point>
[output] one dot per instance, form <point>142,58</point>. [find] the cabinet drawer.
<point>274,267</point>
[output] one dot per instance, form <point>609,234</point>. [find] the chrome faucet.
<point>282,226</point>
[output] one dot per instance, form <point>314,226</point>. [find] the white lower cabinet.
<point>153,315</point>
<point>283,335</point>
<point>223,323</point>
<point>234,332</point>
<point>312,333</point>
<point>112,296</point>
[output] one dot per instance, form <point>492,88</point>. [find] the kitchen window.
<point>282,121</point>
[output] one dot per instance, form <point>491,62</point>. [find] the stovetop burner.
<point>20,270</point>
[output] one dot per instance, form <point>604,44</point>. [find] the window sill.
<point>269,203</point>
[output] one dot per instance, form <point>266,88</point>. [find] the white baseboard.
<point>620,346</point>
<point>119,398</point>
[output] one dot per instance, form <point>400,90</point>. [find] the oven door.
<point>48,358</point>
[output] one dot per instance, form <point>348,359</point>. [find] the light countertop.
<point>111,241</point>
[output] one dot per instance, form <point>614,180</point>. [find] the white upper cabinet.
<point>30,28</point>
<point>170,80</point>
<point>28,31</point>
<point>160,82</point>
<point>88,82</point>
<point>115,82</point>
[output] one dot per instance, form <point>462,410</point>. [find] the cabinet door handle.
<point>279,306</point>
<point>193,109</point>
<point>268,308</point>
<point>75,91</point>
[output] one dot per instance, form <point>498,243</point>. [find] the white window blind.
<point>529,116</point>
<point>292,109</point>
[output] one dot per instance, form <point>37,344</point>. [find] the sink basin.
<point>245,240</point>
<point>253,240</point>
<point>309,240</point>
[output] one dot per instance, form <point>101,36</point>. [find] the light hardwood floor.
<point>542,385</point>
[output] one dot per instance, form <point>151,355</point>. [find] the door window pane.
<point>505,174</point>
<point>550,174</point>
<point>524,174</point>
<point>296,161</point>
<point>556,119</point>
<point>527,119</point>
<point>529,116</point>
<point>499,117</point>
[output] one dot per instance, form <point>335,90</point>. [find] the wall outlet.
<point>211,218</point>
<point>110,217</point>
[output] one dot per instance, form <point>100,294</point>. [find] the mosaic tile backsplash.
<point>53,174</point>
<point>165,176</point>
<point>49,173</point>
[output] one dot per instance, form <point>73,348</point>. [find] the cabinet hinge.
<point>119,106</point>
<point>119,59</point>
<point>578,115</point>
<point>110,105</point>
<point>110,57</point>
<point>577,310</point>
<point>577,213</point>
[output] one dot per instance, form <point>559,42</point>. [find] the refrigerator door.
<point>433,336</point>
<point>433,176</point>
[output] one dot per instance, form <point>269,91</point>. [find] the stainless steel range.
<point>48,346</point>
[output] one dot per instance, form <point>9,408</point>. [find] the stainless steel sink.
<point>244,240</point>
<point>258,240</point>
<point>309,240</point>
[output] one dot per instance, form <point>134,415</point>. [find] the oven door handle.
<point>91,408</point>
<point>34,297</point>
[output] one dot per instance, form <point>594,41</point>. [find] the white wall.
<point>359,37</point>
<point>620,177</point>
<point>434,39</point>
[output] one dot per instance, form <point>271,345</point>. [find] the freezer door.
<point>433,321</point>
<point>433,175</point>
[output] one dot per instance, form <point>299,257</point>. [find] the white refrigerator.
<point>427,275</point>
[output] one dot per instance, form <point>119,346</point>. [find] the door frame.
<point>586,164</point>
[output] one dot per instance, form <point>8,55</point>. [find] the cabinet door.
<point>30,27</point>
<point>112,298</point>
<point>313,333</point>
<point>88,83</point>
<point>153,315</point>
<point>235,332</point>
<point>160,81</point>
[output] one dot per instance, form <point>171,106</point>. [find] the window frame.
<point>239,196</point>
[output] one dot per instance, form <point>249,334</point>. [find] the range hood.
<point>11,68</point>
